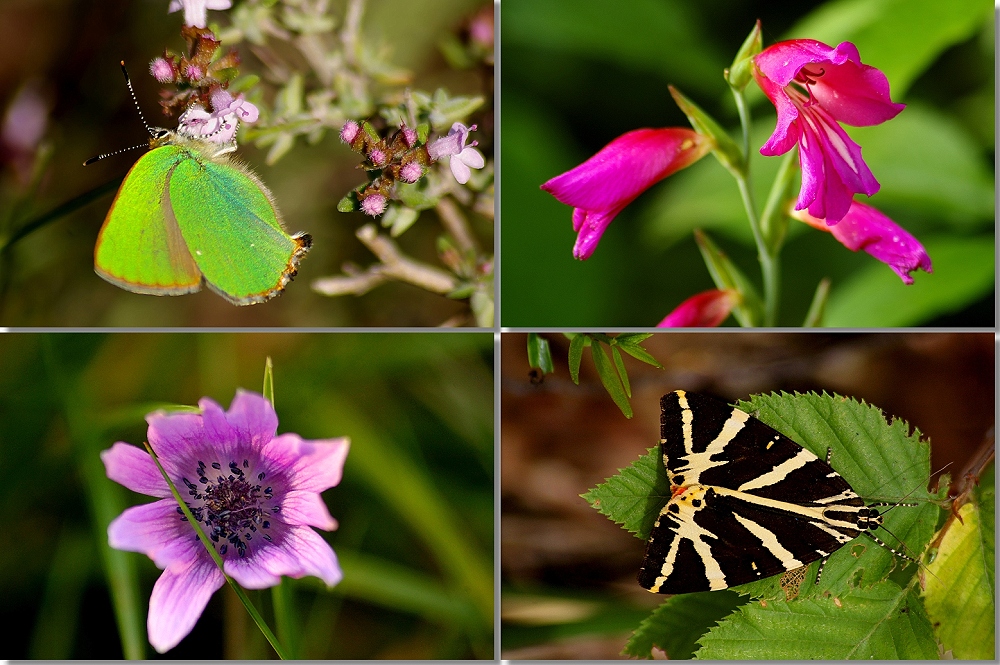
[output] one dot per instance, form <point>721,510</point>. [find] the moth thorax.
<point>868,519</point>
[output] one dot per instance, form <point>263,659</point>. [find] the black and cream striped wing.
<point>748,502</point>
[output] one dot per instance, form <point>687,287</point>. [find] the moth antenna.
<point>112,154</point>
<point>135,101</point>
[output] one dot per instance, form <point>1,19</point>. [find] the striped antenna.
<point>135,101</point>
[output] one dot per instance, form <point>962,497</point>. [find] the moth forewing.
<point>748,502</point>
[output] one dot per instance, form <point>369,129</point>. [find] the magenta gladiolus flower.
<point>602,186</point>
<point>703,310</point>
<point>814,87</point>
<point>866,228</point>
<point>254,493</point>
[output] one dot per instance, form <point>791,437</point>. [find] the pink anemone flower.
<point>602,186</point>
<point>864,227</point>
<point>255,494</point>
<point>703,310</point>
<point>813,88</point>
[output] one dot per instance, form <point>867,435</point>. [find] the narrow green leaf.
<point>575,355</point>
<point>814,317</point>
<point>539,355</point>
<point>620,366</point>
<point>268,391</point>
<point>727,276</point>
<point>675,626</point>
<point>959,589</point>
<point>631,338</point>
<point>639,353</point>
<point>610,380</point>
<point>724,148</point>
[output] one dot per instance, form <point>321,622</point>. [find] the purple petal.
<point>306,509</point>
<point>178,599</point>
<point>300,552</point>
<point>444,146</point>
<point>472,157</point>
<point>786,130</point>
<point>704,310</point>
<point>626,167</point>
<point>135,469</point>
<point>868,229</point>
<point>782,62</point>
<point>253,418</point>
<point>156,530</point>
<point>459,170</point>
<point>312,466</point>
<point>217,431</point>
<point>249,571</point>
<point>176,437</point>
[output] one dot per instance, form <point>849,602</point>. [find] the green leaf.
<point>959,587</point>
<point>675,626</point>
<point>575,355</point>
<point>631,347</point>
<point>725,148</point>
<point>883,622</point>
<point>398,219</point>
<point>610,380</point>
<point>633,498</point>
<point>727,276</point>
<point>814,317</point>
<point>876,297</point>
<point>620,366</point>
<point>539,356</point>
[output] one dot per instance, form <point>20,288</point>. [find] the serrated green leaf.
<point>675,626</point>
<point>959,587</point>
<point>620,366</point>
<point>882,622</point>
<point>575,355</point>
<point>610,380</point>
<point>634,496</point>
<point>539,356</point>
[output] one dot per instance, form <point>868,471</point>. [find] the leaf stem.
<point>769,265</point>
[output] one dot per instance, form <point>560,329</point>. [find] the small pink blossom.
<point>373,204</point>
<point>461,157</point>
<point>161,70</point>
<point>377,157</point>
<point>864,227</point>
<point>219,126</point>
<point>814,87</point>
<point>193,72</point>
<point>349,131</point>
<point>704,310</point>
<point>195,11</point>
<point>602,186</point>
<point>410,172</point>
<point>409,135</point>
<point>255,494</point>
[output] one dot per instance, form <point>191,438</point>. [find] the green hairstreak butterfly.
<point>187,214</point>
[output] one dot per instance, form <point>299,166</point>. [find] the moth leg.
<point>819,573</point>
<point>829,454</point>
<point>882,544</point>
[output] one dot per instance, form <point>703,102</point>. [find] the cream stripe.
<point>778,473</point>
<point>770,541</point>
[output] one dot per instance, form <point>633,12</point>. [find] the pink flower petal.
<point>135,469</point>
<point>459,169</point>
<point>306,509</point>
<point>303,552</point>
<point>704,310</point>
<point>603,185</point>
<point>312,466</point>
<point>178,599</point>
<point>253,418</point>
<point>156,530</point>
<point>249,572</point>
<point>864,227</point>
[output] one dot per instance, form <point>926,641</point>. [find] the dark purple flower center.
<point>232,504</point>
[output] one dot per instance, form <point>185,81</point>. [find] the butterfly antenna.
<point>135,101</point>
<point>112,154</point>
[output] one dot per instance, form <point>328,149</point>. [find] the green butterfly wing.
<point>232,230</point>
<point>140,248</point>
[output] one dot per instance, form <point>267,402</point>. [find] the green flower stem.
<point>769,264</point>
<point>254,614</point>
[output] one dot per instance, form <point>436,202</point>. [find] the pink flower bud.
<point>193,73</point>
<point>349,131</point>
<point>377,157</point>
<point>373,205</point>
<point>411,172</point>
<point>409,135</point>
<point>161,70</point>
<point>705,310</point>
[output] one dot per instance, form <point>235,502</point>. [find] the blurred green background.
<point>415,506</point>
<point>578,73</point>
<point>67,52</point>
